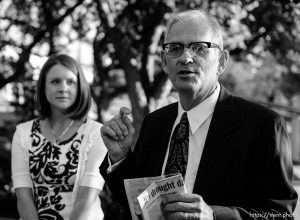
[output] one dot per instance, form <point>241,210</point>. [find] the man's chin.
<point>190,88</point>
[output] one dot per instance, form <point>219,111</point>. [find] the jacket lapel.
<point>159,139</point>
<point>218,147</point>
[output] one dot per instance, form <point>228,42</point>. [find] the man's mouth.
<point>185,72</point>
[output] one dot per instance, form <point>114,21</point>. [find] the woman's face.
<point>61,87</point>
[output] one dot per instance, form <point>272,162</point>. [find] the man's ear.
<point>223,60</point>
<point>163,61</point>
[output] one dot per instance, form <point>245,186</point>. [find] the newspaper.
<point>133,188</point>
<point>145,194</point>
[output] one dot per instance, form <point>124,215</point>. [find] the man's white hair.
<point>203,17</point>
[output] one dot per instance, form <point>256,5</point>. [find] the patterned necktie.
<point>179,148</point>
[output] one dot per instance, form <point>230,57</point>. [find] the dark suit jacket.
<point>245,168</point>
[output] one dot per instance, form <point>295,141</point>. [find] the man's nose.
<point>187,56</point>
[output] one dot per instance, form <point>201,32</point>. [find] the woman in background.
<point>56,157</point>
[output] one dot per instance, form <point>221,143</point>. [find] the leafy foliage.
<point>126,34</point>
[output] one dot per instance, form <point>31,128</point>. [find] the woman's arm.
<point>26,207</point>
<point>87,204</point>
<point>21,177</point>
<point>84,203</point>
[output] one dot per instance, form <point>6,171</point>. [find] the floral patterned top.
<point>53,168</point>
<point>55,172</point>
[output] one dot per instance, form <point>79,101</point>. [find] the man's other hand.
<point>186,206</point>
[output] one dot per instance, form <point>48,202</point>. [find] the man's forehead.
<point>189,27</point>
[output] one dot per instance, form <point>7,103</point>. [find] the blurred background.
<point>117,42</point>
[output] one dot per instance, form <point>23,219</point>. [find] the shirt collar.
<point>200,113</point>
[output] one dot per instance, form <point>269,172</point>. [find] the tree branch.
<point>20,69</point>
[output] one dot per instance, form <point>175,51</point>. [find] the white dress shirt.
<point>199,119</point>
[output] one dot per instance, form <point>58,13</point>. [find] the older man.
<point>234,154</point>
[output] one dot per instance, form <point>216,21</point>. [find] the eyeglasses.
<point>196,48</point>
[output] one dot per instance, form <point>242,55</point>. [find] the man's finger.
<point>181,216</point>
<point>182,197</point>
<point>177,207</point>
<point>128,122</point>
<point>106,131</point>
<point>114,125</point>
<point>122,126</point>
<point>124,110</point>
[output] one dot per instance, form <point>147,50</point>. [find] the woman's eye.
<point>71,82</point>
<point>55,81</point>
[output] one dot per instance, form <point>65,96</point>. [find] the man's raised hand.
<point>118,134</point>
